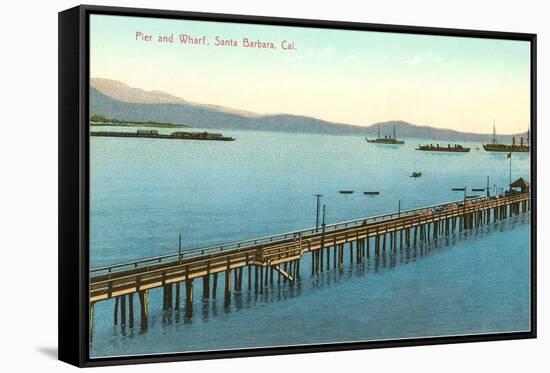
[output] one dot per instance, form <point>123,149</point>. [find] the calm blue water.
<point>144,192</point>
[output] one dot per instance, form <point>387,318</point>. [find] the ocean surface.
<point>145,192</point>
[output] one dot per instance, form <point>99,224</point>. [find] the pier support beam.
<point>227,296</point>
<point>91,323</point>
<point>144,308</point>
<point>167,297</point>
<point>215,284</point>
<point>115,314</point>
<point>123,310</point>
<point>131,309</point>
<point>206,286</point>
<point>178,294</point>
<point>188,296</point>
<point>368,245</point>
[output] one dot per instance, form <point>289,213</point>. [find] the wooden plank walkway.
<point>283,253</point>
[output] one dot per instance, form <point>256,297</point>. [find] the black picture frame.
<point>74,187</point>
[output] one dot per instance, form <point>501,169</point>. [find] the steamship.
<point>386,139</point>
<point>494,146</point>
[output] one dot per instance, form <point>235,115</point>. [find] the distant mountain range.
<point>115,99</point>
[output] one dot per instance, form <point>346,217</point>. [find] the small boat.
<point>478,189</point>
<point>346,192</point>
<point>371,193</point>
<point>416,174</point>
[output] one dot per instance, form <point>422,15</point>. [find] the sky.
<point>353,77</point>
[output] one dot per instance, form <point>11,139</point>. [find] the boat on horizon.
<point>371,193</point>
<point>387,140</point>
<point>457,148</point>
<point>494,146</point>
<point>346,191</point>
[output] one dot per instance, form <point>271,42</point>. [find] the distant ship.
<point>496,147</point>
<point>154,134</point>
<point>346,191</point>
<point>448,148</point>
<point>386,140</point>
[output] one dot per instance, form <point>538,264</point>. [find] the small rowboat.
<point>346,192</point>
<point>371,193</point>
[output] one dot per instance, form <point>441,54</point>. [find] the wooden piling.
<point>215,284</point>
<point>328,258</point>
<point>131,309</point>
<point>368,245</point>
<point>206,286</point>
<point>261,279</point>
<point>167,297</point>
<point>228,284</point>
<point>189,293</point>
<point>249,272</point>
<point>312,259</point>
<point>321,250</point>
<point>91,324</point>
<point>123,310</point>
<point>256,278</point>
<point>144,308</point>
<point>178,295</point>
<point>115,315</point>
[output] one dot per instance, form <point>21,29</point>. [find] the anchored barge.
<point>386,139</point>
<point>448,148</point>
<point>154,134</point>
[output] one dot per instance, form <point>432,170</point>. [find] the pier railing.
<point>293,235</point>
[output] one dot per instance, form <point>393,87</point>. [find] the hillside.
<point>116,100</point>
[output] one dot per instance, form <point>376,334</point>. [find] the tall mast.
<point>394,132</point>
<point>494,133</point>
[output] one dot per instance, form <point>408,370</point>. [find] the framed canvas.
<point>234,186</point>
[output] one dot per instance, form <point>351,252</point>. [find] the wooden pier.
<point>280,255</point>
